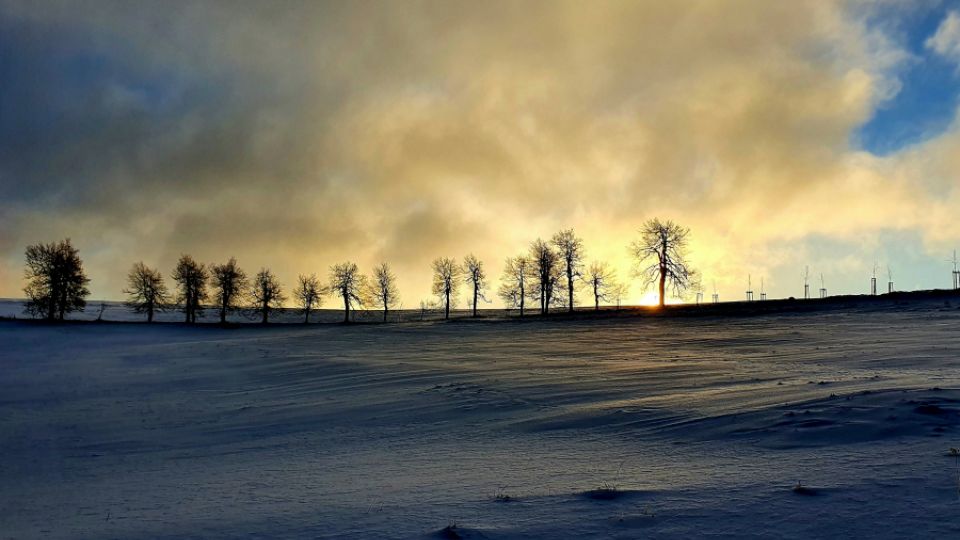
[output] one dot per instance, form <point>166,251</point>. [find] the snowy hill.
<point>615,428</point>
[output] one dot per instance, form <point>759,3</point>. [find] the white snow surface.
<point>702,425</point>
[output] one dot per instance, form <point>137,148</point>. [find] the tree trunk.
<point>384,313</point>
<point>663,282</point>
<point>474,298</point>
<point>596,297</point>
<point>547,297</point>
<point>446,306</point>
<point>346,308</point>
<point>265,313</point>
<point>522,297</point>
<point>570,285</point>
<point>543,298</point>
<point>663,271</point>
<point>306,315</point>
<point>150,313</point>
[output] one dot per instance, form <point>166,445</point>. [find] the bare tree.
<point>513,286</point>
<point>266,295</point>
<point>347,283</point>
<point>601,280</point>
<point>56,282</point>
<point>570,250</point>
<point>546,274</point>
<point>146,290</point>
<point>619,291</point>
<point>191,278</point>
<point>476,277</point>
<point>446,281</point>
<point>663,244</point>
<point>308,294</point>
<point>384,288</point>
<point>426,306</point>
<point>229,282</point>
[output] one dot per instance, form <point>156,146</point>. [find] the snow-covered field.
<point>700,427</point>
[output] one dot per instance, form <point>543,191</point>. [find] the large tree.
<point>446,280</point>
<point>475,277</point>
<point>601,280</point>
<point>348,283</point>
<point>546,274</point>
<point>308,294</point>
<point>661,258</point>
<point>266,294</point>
<point>514,280</point>
<point>191,278</point>
<point>570,250</point>
<point>56,282</point>
<point>384,289</point>
<point>229,284</point>
<point>146,291</point>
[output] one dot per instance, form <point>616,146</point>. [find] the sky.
<point>297,135</point>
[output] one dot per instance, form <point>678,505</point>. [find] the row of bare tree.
<point>231,291</point>
<point>548,273</point>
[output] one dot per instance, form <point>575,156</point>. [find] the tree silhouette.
<point>146,290</point>
<point>619,291</point>
<point>229,283</point>
<point>474,275</point>
<point>570,251</point>
<point>384,288</point>
<point>347,283</point>
<point>600,278</point>
<point>56,282</point>
<point>266,295</point>
<point>446,279</point>
<point>308,294</point>
<point>513,286</point>
<point>191,278</point>
<point>664,244</point>
<point>546,274</point>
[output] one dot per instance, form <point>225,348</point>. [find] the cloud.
<point>302,134</point>
<point>946,40</point>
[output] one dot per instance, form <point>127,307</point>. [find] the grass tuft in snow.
<point>501,496</point>
<point>450,532</point>
<point>606,492</point>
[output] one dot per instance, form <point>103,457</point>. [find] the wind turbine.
<point>823,288</point>
<point>716,297</point>
<point>889,279</point>
<point>749,289</point>
<point>763,295</point>
<point>873,281</point>
<point>956,273</point>
<point>806,283</point>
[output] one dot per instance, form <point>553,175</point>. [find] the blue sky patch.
<point>925,105</point>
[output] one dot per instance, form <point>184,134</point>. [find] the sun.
<point>649,299</point>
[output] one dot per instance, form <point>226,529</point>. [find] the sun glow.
<point>649,299</point>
